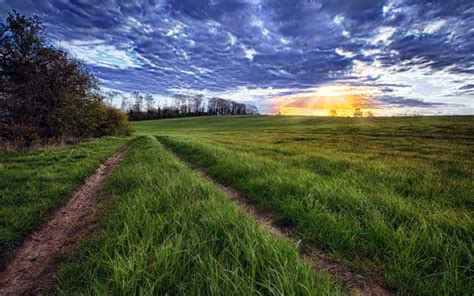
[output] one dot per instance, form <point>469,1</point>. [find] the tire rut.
<point>355,282</point>
<point>32,264</point>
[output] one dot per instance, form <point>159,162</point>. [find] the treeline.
<point>45,95</point>
<point>140,106</point>
<point>358,112</point>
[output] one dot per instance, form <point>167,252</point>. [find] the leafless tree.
<point>149,101</point>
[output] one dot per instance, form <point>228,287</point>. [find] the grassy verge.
<point>396,194</point>
<point>34,183</point>
<point>171,232</point>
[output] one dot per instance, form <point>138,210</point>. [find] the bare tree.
<point>125,106</point>
<point>138,101</point>
<point>358,112</point>
<point>110,97</point>
<point>149,101</point>
<point>196,103</point>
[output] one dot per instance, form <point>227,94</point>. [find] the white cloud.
<point>176,30</point>
<point>256,22</point>
<point>249,53</point>
<point>370,52</point>
<point>201,69</point>
<point>343,53</point>
<point>97,52</point>
<point>284,40</point>
<point>434,27</point>
<point>383,35</point>
<point>338,19</point>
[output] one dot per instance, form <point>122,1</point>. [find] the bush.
<point>114,122</point>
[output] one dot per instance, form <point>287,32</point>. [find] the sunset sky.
<point>293,57</point>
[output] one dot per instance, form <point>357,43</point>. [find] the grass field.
<point>392,195</point>
<point>168,231</point>
<point>34,183</point>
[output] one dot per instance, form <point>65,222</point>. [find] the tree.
<point>358,112</point>
<point>196,103</point>
<point>332,112</point>
<point>192,105</point>
<point>138,101</point>
<point>149,101</point>
<point>369,114</point>
<point>125,106</point>
<point>180,103</point>
<point>212,106</point>
<point>110,97</point>
<point>251,109</point>
<point>43,92</point>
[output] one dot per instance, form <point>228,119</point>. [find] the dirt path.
<point>32,264</point>
<point>356,283</point>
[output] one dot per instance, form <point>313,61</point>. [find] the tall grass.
<point>394,193</point>
<point>35,182</point>
<point>170,232</point>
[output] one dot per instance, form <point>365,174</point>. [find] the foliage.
<point>44,93</point>
<point>106,120</point>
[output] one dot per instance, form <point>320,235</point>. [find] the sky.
<point>307,57</point>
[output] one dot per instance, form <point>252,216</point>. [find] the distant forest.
<point>141,106</point>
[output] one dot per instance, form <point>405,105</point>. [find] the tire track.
<point>31,265</point>
<point>355,282</point>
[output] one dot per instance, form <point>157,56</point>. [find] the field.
<point>172,233</point>
<point>392,195</point>
<point>391,198</point>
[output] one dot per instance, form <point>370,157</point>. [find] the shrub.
<point>114,122</point>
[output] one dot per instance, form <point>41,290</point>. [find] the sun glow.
<point>330,100</point>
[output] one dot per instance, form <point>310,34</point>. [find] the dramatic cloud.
<point>417,55</point>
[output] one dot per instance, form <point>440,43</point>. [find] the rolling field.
<point>392,196</point>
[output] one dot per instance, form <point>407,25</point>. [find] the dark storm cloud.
<point>467,87</point>
<point>218,45</point>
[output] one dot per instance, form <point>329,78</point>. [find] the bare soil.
<point>32,265</point>
<point>356,282</point>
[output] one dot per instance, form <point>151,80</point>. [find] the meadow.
<point>392,196</point>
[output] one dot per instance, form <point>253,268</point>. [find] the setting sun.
<point>331,100</point>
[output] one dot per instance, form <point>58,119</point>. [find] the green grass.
<point>168,231</point>
<point>34,183</point>
<point>394,195</point>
